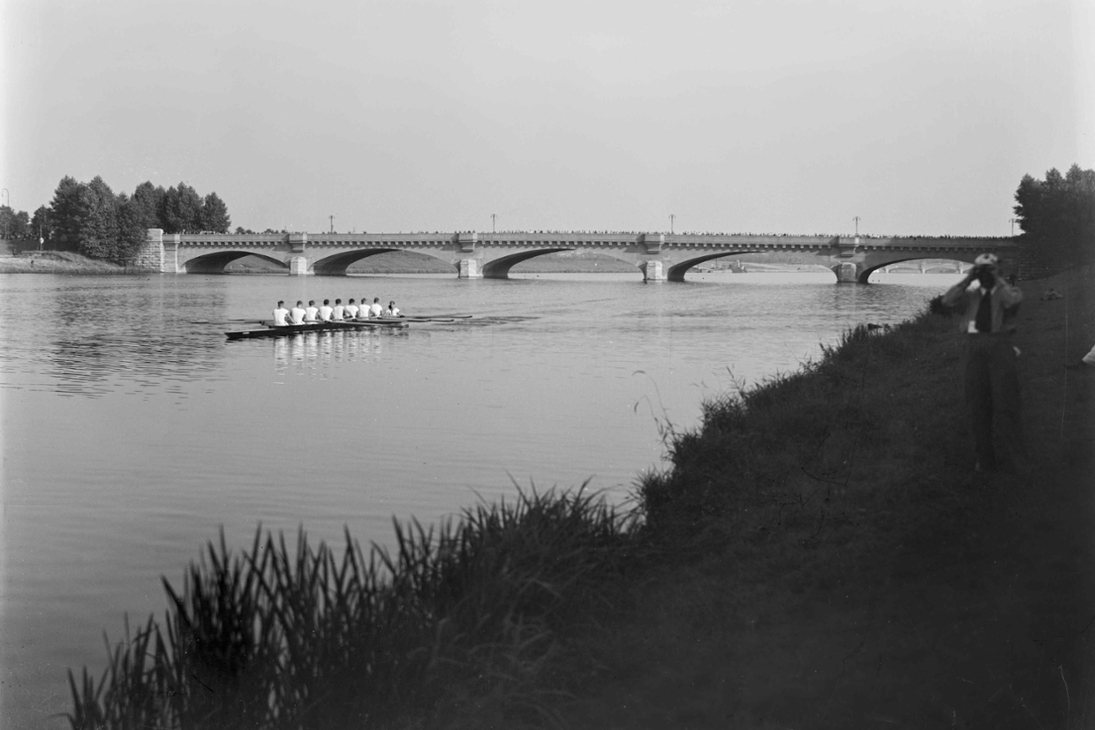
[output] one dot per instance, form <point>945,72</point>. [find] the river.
<point>132,433</point>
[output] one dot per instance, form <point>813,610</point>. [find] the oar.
<point>226,321</point>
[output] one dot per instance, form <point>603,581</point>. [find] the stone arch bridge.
<point>473,255</point>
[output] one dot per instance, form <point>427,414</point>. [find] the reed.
<point>458,617</point>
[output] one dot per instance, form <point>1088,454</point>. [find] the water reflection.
<point>94,339</point>
<point>313,352</point>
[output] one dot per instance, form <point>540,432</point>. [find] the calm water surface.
<point>132,433</point>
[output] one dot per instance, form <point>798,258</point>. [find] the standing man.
<point>280,313</point>
<point>992,375</point>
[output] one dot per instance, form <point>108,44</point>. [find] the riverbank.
<point>759,566</point>
<point>837,563</point>
<point>56,262</point>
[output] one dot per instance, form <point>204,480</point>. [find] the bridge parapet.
<point>474,254</point>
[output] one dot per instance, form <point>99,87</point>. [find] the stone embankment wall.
<point>150,256</point>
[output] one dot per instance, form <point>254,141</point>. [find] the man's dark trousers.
<point>992,394</point>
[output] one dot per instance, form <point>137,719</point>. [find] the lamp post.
<point>332,223</point>
<point>856,219</point>
<point>493,222</point>
<point>8,214</point>
<point>672,218</point>
<point>1013,221</point>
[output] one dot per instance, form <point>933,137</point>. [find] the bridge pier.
<point>469,269</point>
<point>653,271</point>
<point>846,272</point>
<point>298,266</point>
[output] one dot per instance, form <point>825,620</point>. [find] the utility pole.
<point>672,218</point>
<point>493,222</point>
<point>8,214</point>
<point>332,223</point>
<point>856,219</point>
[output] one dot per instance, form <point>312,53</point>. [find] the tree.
<point>215,214</point>
<point>146,204</point>
<point>39,225</point>
<point>181,211</point>
<point>132,229</point>
<point>98,236</point>
<point>68,211</point>
<point>13,225</point>
<point>1057,217</point>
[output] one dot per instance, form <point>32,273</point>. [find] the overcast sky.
<point>734,115</point>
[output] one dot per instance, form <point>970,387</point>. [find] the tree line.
<point>1057,217</point>
<point>91,219</point>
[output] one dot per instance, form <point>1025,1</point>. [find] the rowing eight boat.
<point>297,329</point>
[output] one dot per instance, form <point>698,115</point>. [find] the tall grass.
<point>792,438</point>
<point>457,618</point>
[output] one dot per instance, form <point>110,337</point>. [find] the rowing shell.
<point>297,329</point>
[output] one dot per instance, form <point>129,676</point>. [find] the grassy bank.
<point>820,554</point>
<point>832,560</point>
<point>56,262</point>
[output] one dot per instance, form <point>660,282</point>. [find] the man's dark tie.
<point>984,312</point>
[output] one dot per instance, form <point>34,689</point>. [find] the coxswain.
<point>325,311</point>
<point>351,310</point>
<point>336,313</point>
<point>280,313</point>
<point>375,309</point>
<point>392,310</point>
<point>296,314</point>
<point>311,314</point>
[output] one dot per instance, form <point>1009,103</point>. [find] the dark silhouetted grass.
<point>458,619</point>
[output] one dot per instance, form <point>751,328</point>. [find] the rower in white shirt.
<point>375,309</point>
<point>311,313</point>
<point>280,314</point>
<point>336,314</point>
<point>363,310</point>
<point>325,311</point>
<point>350,312</point>
<point>296,314</point>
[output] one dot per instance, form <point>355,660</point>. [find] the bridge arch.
<point>499,268</point>
<point>869,267</point>
<point>336,264</point>
<point>214,263</point>
<point>678,270</point>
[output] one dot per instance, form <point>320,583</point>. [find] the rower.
<point>363,310</point>
<point>296,314</point>
<point>351,310</point>
<point>325,311</point>
<point>392,310</point>
<point>280,314</point>
<point>311,314</point>
<point>336,313</point>
<point>375,309</point>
